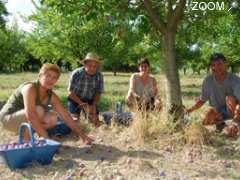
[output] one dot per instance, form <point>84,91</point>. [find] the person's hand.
<point>85,107</point>
<point>158,104</point>
<point>237,114</point>
<point>210,117</point>
<point>231,130</point>
<point>188,110</point>
<point>87,140</point>
<point>210,121</point>
<point>93,116</point>
<point>136,96</point>
<point>92,109</point>
<point>92,112</point>
<point>94,119</point>
<point>89,109</point>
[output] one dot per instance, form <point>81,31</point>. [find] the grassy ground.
<point>150,148</point>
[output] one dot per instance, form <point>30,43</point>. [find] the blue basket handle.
<point>22,127</point>
<point>119,107</point>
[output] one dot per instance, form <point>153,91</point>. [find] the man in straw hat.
<point>85,88</point>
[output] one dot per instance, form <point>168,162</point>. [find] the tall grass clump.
<point>149,125</point>
<point>196,134</point>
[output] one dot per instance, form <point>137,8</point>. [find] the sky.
<point>18,8</point>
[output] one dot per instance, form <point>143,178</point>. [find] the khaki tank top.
<point>15,102</point>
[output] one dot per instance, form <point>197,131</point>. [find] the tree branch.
<point>170,9</point>
<point>177,15</point>
<point>155,19</point>
<point>35,4</point>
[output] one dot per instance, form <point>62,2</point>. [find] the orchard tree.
<point>3,14</point>
<point>68,34</point>
<point>12,49</point>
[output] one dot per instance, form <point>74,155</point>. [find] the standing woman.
<point>31,101</point>
<point>143,88</point>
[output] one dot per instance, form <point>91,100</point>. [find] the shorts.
<point>12,121</point>
<point>73,107</point>
<point>224,113</point>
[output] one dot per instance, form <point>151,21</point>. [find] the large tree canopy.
<point>66,31</point>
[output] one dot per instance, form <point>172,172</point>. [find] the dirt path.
<point>115,155</point>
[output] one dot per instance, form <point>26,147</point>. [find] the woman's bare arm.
<point>59,108</point>
<point>29,96</point>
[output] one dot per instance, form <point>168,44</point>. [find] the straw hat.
<point>91,57</point>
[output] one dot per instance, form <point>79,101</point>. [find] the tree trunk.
<point>174,97</point>
<point>168,30</point>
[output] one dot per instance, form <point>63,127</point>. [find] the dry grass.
<point>156,130</point>
<point>196,134</point>
<point>147,125</point>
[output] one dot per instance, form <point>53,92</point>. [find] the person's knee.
<point>50,120</point>
<point>230,100</point>
<point>236,116</point>
<point>232,130</point>
<point>13,121</point>
<point>237,109</point>
<point>53,119</point>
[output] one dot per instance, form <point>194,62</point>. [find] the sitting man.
<point>85,89</point>
<point>222,90</point>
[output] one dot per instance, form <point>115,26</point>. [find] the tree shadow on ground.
<point>191,90</point>
<point>116,93</point>
<point>120,83</point>
<point>117,75</point>
<point>191,86</point>
<point>226,148</point>
<point>103,152</point>
<point>191,93</point>
<point>69,157</point>
<point>56,167</point>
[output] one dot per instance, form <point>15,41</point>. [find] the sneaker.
<point>75,117</point>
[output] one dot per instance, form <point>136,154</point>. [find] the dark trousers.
<point>74,108</point>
